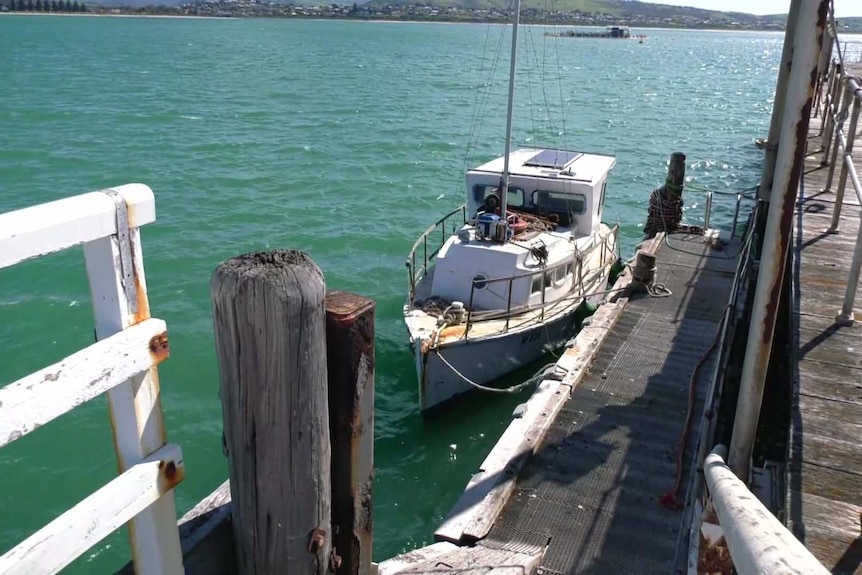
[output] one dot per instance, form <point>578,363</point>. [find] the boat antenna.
<point>505,191</point>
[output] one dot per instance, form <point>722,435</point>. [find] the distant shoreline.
<point>103,15</point>
<point>374,20</point>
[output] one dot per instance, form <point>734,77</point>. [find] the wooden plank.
<point>826,426</point>
<point>46,228</point>
<point>72,533</point>
<point>47,394</point>
<point>478,560</point>
<point>206,534</point>
<point>829,381</point>
<point>817,512</point>
<point>835,410</point>
<point>819,450</point>
<point>837,484</point>
<point>270,335</point>
<point>421,555</point>
<point>134,406</point>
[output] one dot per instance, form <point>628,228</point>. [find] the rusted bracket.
<point>127,272</point>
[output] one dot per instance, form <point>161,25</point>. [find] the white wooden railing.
<point>122,363</point>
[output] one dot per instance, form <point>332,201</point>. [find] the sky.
<point>843,8</point>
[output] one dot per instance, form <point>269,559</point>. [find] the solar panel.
<point>557,159</point>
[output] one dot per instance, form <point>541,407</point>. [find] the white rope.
<point>539,376</point>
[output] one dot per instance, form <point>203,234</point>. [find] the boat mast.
<point>505,190</point>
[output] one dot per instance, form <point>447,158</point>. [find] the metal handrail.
<point>843,101</point>
<point>758,542</point>
<point>415,275</point>
<point>543,272</point>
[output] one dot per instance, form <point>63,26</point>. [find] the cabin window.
<point>537,285</point>
<point>515,197</point>
<point>480,281</point>
<point>559,202</point>
<point>602,199</point>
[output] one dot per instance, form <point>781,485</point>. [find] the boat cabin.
<point>566,187</point>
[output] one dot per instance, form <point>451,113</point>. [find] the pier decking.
<point>592,497</point>
<point>824,502</point>
<point>593,490</point>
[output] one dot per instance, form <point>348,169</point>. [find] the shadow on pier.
<point>599,490</point>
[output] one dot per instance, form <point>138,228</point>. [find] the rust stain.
<point>173,475</point>
<point>344,306</point>
<point>714,559</point>
<point>316,540</point>
<point>788,200</point>
<point>159,348</point>
<point>140,291</point>
<point>334,561</point>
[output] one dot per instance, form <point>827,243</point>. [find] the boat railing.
<point>842,100</point>
<point>607,258</point>
<point>445,226</point>
<point>121,363</point>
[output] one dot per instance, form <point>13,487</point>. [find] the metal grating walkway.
<point>592,489</point>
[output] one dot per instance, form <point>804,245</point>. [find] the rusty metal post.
<point>768,172</point>
<point>350,359</point>
<point>810,24</point>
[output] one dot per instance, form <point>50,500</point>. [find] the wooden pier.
<point>596,481</point>
<point>824,502</point>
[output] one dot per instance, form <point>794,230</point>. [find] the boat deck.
<point>589,499</point>
<point>824,501</point>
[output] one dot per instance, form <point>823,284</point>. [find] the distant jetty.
<point>621,32</point>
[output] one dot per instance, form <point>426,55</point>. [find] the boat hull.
<point>485,360</point>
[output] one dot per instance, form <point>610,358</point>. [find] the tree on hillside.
<point>76,7</point>
<point>12,5</point>
<point>83,7</point>
<point>38,5</point>
<point>67,6</point>
<point>53,5</point>
<point>30,6</point>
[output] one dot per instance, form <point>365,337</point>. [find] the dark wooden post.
<point>268,314</point>
<point>350,352</point>
<point>665,205</point>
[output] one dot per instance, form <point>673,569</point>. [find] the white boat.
<point>497,293</point>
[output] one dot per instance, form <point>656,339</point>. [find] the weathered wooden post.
<point>665,205</point>
<point>268,314</point>
<point>350,352</point>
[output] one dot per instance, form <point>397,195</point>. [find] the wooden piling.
<point>665,206</point>
<point>350,357</point>
<point>269,320</point>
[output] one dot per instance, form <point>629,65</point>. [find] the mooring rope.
<point>536,378</point>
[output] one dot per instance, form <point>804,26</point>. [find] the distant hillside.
<point>622,10</point>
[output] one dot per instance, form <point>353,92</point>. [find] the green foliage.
<point>12,5</point>
<point>54,7</point>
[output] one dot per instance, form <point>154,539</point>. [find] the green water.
<point>346,140</point>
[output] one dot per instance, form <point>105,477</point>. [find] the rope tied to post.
<point>643,276</point>
<point>665,209</point>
